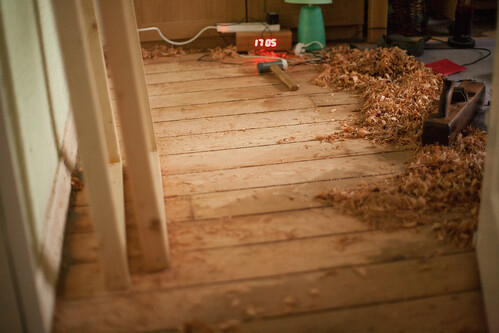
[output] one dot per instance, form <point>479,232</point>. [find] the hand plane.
<point>457,107</point>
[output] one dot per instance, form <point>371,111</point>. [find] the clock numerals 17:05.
<point>266,42</point>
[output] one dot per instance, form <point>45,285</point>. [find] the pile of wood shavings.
<point>160,50</point>
<point>441,186</point>
<point>219,53</point>
<point>399,92</point>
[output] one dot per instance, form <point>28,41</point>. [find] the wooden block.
<point>257,41</point>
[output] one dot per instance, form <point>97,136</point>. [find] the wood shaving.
<point>159,51</point>
<point>290,301</point>
<point>251,311</point>
<point>360,270</point>
<point>399,92</point>
<point>286,140</point>
<point>441,186</point>
<point>235,303</point>
<point>329,138</point>
<point>76,184</point>
<point>219,53</point>
<point>314,292</point>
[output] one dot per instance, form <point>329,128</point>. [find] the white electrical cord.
<point>315,42</point>
<point>177,43</point>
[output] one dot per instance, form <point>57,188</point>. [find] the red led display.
<point>266,42</point>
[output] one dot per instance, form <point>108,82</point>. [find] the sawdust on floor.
<point>441,185</point>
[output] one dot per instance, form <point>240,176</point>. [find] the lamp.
<point>311,24</point>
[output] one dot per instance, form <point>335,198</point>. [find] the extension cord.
<point>247,27</point>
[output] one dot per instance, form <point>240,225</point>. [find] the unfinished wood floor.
<point>252,250</point>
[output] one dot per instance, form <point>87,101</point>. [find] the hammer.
<point>276,67</point>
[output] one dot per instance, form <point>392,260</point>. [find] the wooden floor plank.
<point>263,200</point>
<point>225,232</point>
<point>252,246</point>
<point>231,108</point>
<point>249,300</point>
<point>253,106</point>
<point>180,58</point>
<point>460,312</point>
<point>232,94</point>
<point>180,66</point>
<point>261,228</point>
<point>263,260</point>
<point>197,74</point>
<point>265,155</point>
<point>210,84</point>
<point>252,121</point>
<point>209,74</point>
<point>285,173</point>
<point>248,138</point>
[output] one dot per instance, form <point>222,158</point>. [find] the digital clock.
<point>266,42</point>
<point>256,41</point>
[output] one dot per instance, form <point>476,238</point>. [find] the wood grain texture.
<point>284,173</point>
<point>258,260</point>
<point>108,215</point>
<point>144,172</point>
<point>455,312</point>
<point>252,246</point>
<point>376,19</point>
<point>182,20</point>
<point>260,120</point>
<point>100,74</point>
<point>328,293</point>
<point>265,155</point>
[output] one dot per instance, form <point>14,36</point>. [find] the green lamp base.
<point>311,27</point>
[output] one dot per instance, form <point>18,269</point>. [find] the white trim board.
<point>488,228</point>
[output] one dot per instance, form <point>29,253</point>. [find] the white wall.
<point>488,227</point>
<point>35,110</point>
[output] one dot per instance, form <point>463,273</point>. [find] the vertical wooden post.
<point>377,19</point>
<point>126,67</point>
<point>99,69</point>
<point>106,111</point>
<point>87,104</point>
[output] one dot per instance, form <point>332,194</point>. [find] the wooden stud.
<point>99,69</point>
<point>101,81</point>
<point>377,19</point>
<point>80,71</point>
<point>125,62</point>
